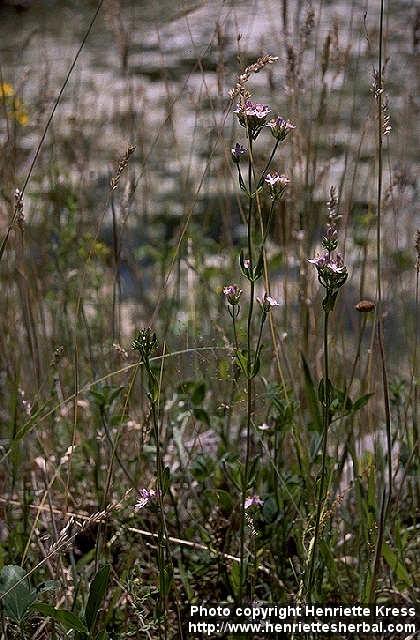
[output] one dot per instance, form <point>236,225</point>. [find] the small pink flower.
<point>233,294</point>
<point>252,115</point>
<point>267,302</point>
<point>275,180</point>
<point>144,497</point>
<point>280,127</point>
<point>329,264</point>
<point>337,265</point>
<point>252,109</point>
<point>319,261</point>
<point>253,501</point>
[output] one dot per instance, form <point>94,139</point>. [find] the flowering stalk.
<point>332,274</point>
<point>145,343</point>
<point>253,117</point>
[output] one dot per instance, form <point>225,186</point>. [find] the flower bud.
<point>330,240</point>
<point>237,152</point>
<point>365,306</point>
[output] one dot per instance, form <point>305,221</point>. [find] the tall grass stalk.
<point>379,313</point>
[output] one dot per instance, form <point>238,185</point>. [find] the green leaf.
<point>329,301</point>
<point>198,393</point>
<point>117,420</point>
<point>70,621</point>
<point>258,271</point>
<point>96,595</point>
<point>20,596</point>
<point>311,396</point>
<point>225,499</point>
<point>270,510</point>
<point>165,581</point>
<point>328,558</point>
<point>361,402</point>
<point>395,564</point>
<point>235,578</point>
<point>166,480</point>
<point>256,367</point>
<point>232,467</point>
<point>184,576</point>
<point>114,393</point>
<point>321,390</point>
<point>202,467</point>
<point>98,397</point>
<point>242,358</point>
<point>201,415</point>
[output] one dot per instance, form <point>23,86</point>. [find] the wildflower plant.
<point>145,343</point>
<point>253,117</point>
<point>332,274</point>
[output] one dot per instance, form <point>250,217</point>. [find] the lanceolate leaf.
<point>311,396</point>
<point>96,595</point>
<point>396,565</point>
<point>68,619</point>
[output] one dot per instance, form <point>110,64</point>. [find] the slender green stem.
<point>267,166</point>
<point>234,314</point>
<point>326,424</point>
<point>268,225</point>
<point>249,379</point>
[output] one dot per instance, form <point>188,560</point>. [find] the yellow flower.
<point>13,105</point>
<point>21,116</point>
<point>6,90</point>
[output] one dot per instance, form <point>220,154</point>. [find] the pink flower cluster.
<point>275,179</point>
<point>144,497</point>
<point>280,127</point>
<point>252,110</point>
<point>253,501</point>
<point>327,262</point>
<point>232,293</point>
<point>253,116</point>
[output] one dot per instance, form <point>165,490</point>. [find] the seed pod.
<point>365,306</point>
